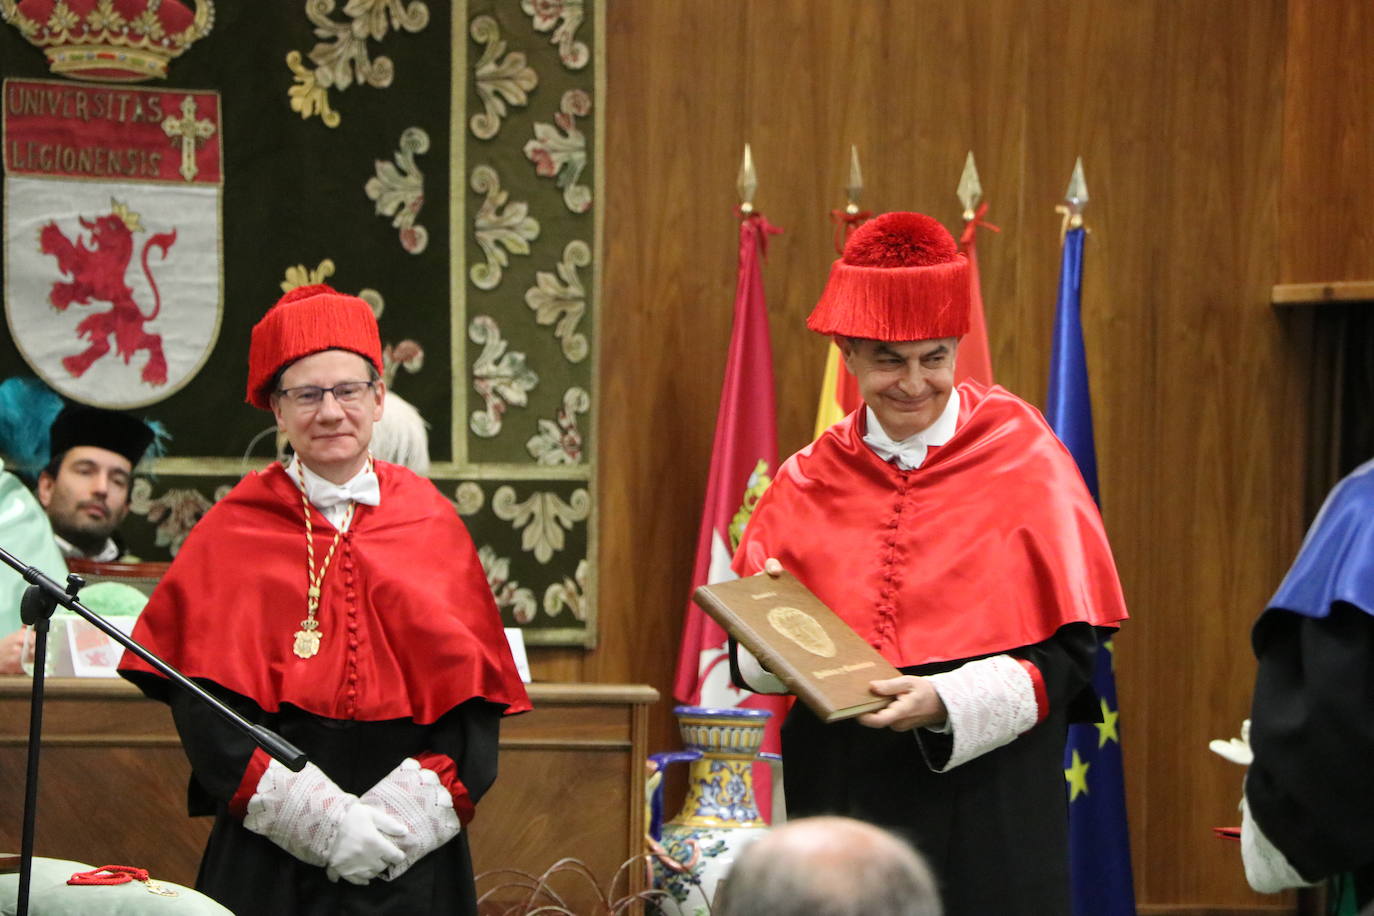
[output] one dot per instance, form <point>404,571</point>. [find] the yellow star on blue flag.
<point>1106,729</point>
<point>1077,777</point>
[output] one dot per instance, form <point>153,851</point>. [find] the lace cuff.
<point>990,702</point>
<point>1266,868</point>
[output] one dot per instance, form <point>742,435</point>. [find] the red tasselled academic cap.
<point>307,320</point>
<point>902,277</point>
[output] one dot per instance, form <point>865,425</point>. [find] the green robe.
<point>26,534</point>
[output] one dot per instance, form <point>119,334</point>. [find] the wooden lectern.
<point>112,786</point>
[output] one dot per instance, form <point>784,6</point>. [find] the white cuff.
<point>1266,868</point>
<point>756,677</point>
<point>990,702</point>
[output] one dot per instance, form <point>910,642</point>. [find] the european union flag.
<point>1099,846</point>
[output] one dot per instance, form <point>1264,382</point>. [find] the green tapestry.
<point>171,171</point>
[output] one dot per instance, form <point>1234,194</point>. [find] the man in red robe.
<point>337,600</point>
<point>951,529</point>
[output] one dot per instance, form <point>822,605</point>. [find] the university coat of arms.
<point>113,280</point>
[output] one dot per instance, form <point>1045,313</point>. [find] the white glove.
<point>416,798</point>
<point>300,812</point>
<point>363,844</point>
<point>1236,750</point>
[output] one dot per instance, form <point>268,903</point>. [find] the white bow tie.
<point>910,453</point>
<point>363,488</point>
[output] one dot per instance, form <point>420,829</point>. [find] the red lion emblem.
<point>97,273</point>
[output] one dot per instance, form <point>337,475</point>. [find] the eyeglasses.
<point>308,396</point>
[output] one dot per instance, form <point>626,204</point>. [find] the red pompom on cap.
<point>900,240</point>
<point>308,319</point>
<point>902,277</point>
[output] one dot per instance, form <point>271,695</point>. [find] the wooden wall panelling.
<point>571,772</point>
<point>1328,143</point>
<point>1189,382</point>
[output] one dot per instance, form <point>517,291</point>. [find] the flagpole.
<point>747,182</point>
<point>970,190</point>
<point>852,216</point>
<point>974,360</point>
<point>743,461</point>
<point>1072,421</point>
<point>839,391</point>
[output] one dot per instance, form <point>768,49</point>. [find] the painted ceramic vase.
<point>720,816</point>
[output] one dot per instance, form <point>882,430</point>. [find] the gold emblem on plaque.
<point>802,629</point>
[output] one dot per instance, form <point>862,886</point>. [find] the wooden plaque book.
<point>810,649</point>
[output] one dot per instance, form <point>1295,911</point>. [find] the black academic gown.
<point>250,874</point>
<point>994,829</point>
<point>1311,786</point>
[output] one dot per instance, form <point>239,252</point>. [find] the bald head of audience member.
<point>830,866</point>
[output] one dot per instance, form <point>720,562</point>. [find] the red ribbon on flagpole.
<point>845,223</point>
<point>975,353</point>
<point>762,229</point>
<point>971,227</point>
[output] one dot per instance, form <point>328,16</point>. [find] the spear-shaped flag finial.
<point>970,189</point>
<point>1076,197</point>
<point>855,188</point>
<point>747,182</point>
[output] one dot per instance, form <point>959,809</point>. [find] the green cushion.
<point>51,895</point>
<point>111,599</point>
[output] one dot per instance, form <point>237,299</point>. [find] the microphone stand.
<point>40,600</point>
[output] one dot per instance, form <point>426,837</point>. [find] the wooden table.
<point>113,781</point>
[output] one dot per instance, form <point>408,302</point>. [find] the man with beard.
<point>83,492</point>
<point>85,487</point>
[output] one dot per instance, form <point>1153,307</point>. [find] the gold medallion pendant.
<point>307,639</point>
<point>307,642</point>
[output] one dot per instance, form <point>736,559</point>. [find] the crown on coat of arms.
<point>110,40</point>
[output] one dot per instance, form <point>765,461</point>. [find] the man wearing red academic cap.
<point>951,529</point>
<point>337,600</point>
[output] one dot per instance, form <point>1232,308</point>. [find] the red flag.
<point>975,358</point>
<point>744,458</point>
